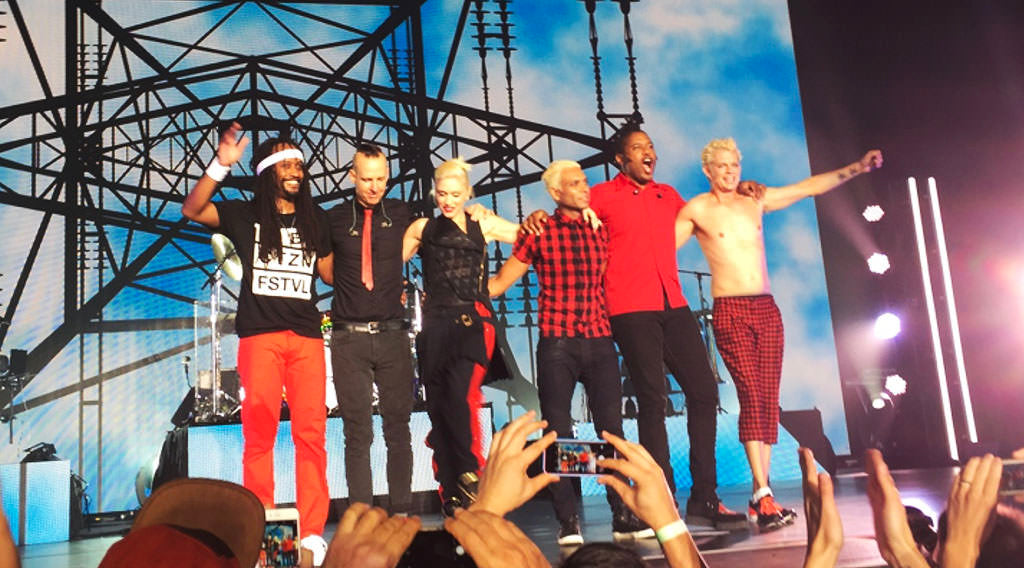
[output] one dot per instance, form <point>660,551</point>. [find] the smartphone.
<point>435,548</point>
<point>577,458</point>
<point>1012,482</point>
<point>281,546</point>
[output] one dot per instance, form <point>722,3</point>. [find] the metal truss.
<point>109,161</point>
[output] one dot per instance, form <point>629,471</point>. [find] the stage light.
<point>878,263</point>
<point>879,402</point>
<point>887,326</point>
<point>895,384</point>
<point>873,213</point>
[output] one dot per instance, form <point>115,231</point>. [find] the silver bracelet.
<point>217,171</point>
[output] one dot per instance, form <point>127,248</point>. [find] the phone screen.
<point>1012,482</point>
<point>577,458</point>
<point>280,544</point>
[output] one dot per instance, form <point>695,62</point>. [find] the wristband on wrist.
<point>671,531</point>
<point>217,171</point>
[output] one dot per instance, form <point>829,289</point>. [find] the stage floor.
<point>925,489</point>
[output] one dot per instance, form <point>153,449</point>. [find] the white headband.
<point>278,157</point>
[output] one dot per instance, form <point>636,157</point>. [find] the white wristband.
<point>671,530</point>
<point>217,171</point>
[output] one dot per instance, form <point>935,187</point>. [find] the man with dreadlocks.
<point>281,238</point>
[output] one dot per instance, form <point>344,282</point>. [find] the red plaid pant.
<point>748,332</point>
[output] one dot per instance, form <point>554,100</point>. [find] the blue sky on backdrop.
<point>705,69</point>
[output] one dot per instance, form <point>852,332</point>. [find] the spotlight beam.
<point>940,367</point>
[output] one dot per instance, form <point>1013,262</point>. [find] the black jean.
<point>561,363</point>
<point>358,360</point>
<point>648,341</point>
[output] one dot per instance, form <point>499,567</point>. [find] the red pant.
<point>748,332</point>
<point>267,363</point>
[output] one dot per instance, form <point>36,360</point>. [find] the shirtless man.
<point>748,328</point>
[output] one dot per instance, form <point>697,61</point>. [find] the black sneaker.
<point>569,532</point>
<point>769,514</point>
<point>714,514</point>
<point>468,485</point>
<point>625,526</point>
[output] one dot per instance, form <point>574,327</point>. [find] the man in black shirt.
<point>281,238</point>
<point>370,342</point>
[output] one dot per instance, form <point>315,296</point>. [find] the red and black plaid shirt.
<point>569,258</point>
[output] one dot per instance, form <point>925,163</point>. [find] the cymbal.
<point>226,256</point>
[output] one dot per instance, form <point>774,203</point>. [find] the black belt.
<point>372,327</point>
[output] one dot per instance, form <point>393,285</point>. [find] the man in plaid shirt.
<point>569,258</point>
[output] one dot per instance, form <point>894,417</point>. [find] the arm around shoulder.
<point>498,229</point>
<point>412,239</point>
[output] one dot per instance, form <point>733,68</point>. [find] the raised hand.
<point>872,160</point>
<point>493,542</point>
<point>230,148</point>
<point>824,527</point>
<point>504,485</point>
<point>895,541</point>
<point>649,496</point>
<point>367,537</point>
<point>971,502</point>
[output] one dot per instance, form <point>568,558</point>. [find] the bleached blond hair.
<point>718,144</point>
<point>455,168</point>
<point>552,176</point>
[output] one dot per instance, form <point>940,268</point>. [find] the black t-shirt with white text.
<point>281,294</point>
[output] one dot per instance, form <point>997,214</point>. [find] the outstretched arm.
<point>510,272</point>
<point>197,205</point>
<point>411,239</point>
<point>781,197</point>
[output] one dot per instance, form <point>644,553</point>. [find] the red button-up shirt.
<point>569,258</point>
<point>642,269</point>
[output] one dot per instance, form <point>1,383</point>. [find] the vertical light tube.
<point>954,322</point>
<point>940,367</point>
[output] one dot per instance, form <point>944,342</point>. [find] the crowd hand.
<point>649,496</point>
<point>534,224</point>
<point>493,542</point>
<point>504,485</point>
<point>892,533</point>
<point>824,527</point>
<point>367,537</point>
<point>591,217</point>
<point>751,189</point>
<point>230,148</point>
<point>971,502</point>
<point>478,212</point>
<point>872,160</point>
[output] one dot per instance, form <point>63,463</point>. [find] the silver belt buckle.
<point>372,327</point>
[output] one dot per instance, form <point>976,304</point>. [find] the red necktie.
<point>367,251</point>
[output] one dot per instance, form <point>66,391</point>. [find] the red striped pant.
<point>748,332</point>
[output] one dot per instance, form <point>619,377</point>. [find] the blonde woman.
<point>458,337</point>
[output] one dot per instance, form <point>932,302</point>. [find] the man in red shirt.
<point>651,322</point>
<point>569,258</point>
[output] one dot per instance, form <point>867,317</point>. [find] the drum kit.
<point>217,388</point>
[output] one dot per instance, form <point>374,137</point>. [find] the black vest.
<point>453,263</point>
